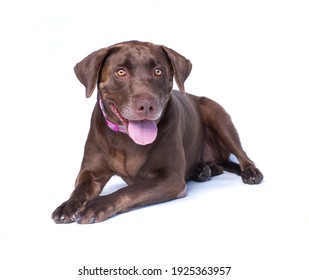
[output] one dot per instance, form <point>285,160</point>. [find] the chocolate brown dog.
<point>153,137</point>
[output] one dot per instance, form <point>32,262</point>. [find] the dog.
<point>153,137</point>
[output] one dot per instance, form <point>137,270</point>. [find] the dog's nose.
<point>146,106</point>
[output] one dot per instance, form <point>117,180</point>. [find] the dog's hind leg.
<point>222,140</point>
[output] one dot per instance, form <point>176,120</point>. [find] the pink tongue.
<point>142,132</point>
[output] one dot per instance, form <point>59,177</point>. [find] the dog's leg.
<point>87,187</point>
<point>220,124</point>
<point>156,190</point>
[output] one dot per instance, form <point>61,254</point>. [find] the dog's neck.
<point>111,125</point>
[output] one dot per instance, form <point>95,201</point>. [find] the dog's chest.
<point>126,164</point>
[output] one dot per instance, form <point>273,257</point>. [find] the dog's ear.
<point>181,67</point>
<point>87,71</point>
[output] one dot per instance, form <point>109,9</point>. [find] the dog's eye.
<point>121,72</point>
<point>158,72</point>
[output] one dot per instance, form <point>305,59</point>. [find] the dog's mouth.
<point>142,132</point>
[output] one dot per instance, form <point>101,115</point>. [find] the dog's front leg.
<point>87,186</point>
<point>143,193</point>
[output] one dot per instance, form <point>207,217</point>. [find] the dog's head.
<point>135,81</point>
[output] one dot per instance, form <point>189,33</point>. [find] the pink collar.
<point>112,126</point>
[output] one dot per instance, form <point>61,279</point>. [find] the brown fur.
<point>194,141</point>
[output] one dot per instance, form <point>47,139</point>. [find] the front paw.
<point>252,176</point>
<point>65,213</point>
<point>95,210</point>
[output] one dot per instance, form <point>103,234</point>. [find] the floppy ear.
<point>87,71</point>
<point>181,67</point>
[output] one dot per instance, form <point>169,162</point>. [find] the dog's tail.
<point>232,167</point>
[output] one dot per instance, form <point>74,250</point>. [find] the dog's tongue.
<point>142,132</point>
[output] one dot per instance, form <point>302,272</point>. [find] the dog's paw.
<point>252,176</point>
<point>201,173</point>
<point>65,213</point>
<point>215,169</point>
<point>95,210</point>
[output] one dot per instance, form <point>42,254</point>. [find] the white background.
<point>250,56</point>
